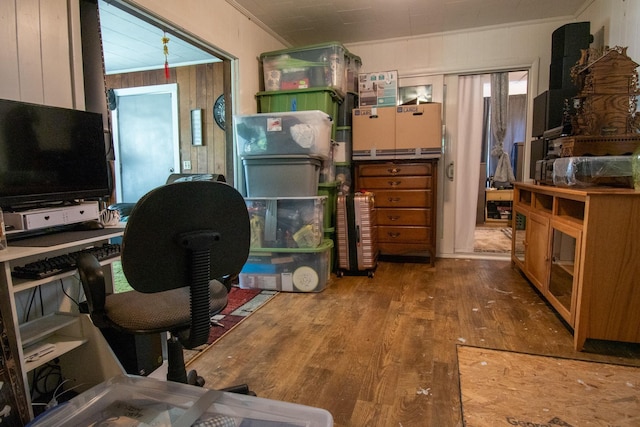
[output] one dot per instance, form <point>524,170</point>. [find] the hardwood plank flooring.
<point>382,351</point>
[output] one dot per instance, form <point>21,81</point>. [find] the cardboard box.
<point>374,132</point>
<point>379,89</point>
<point>419,129</point>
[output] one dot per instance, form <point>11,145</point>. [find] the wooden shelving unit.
<point>579,248</point>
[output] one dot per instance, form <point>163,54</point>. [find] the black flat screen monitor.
<point>50,155</point>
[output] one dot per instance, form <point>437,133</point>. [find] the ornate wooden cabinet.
<point>405,201</point>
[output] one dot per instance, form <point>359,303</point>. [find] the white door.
<point>146,139</point>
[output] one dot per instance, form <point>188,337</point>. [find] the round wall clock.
<point>218,112</point>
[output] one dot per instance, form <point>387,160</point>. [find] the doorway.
<point>487,233</point>
<point>145,138</point>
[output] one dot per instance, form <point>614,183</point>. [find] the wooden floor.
<point>382,351</point>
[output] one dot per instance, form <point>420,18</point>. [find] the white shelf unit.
<point>76,341</point>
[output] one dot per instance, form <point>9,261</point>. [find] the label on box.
<point>274,124</point>
<point>287,282</point>
<point>297,84</point>
<point>378,89</point>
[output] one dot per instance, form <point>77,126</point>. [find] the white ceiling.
<point>304,22</point>
<point>131,44</point>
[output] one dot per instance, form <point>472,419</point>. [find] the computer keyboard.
<point>48,267</point>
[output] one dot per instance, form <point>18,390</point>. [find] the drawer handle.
<point>394,199</point>
<point>394,183</point>
<point>393,235</point>
<point>393,217</point>
<point>47,218</point>
<point>394,170</point>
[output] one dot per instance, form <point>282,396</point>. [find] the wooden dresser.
<point>405,201</point>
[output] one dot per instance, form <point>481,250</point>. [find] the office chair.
<point>182,245</point>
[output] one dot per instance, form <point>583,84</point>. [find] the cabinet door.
<point>537,250</point>
<point>564,268</point>
<point>519,238</point>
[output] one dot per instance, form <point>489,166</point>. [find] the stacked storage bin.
<point>281,155</point>
<point>317,77</point>
<point>288,249</point>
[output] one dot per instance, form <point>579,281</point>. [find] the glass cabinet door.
<point>519,236</point>
<point>565,247</point>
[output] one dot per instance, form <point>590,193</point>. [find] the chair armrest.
<point>92,279</point>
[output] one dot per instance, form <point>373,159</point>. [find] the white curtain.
<point>467,161</point>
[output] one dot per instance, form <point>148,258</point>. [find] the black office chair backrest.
<point>185,234</point>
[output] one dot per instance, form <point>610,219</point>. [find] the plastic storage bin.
<point>288,270</point>
<point>320,65</point>
<point>330,191</point>
<point>282,176</point>
<point>345,109</point>
<point>344,178</point>
<point>343,146</point>
<point>132,400</point>
<point>354,63</point>
<point>283,133</point>
<point>281,222</point>
<point>614,171</point>
<point>326,100</point>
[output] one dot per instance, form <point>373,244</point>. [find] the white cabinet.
<point>55,330</point>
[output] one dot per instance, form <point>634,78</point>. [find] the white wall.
<point>527,45</point>
<point>35,60</point>
<point>621,22</point>
<point>40,61</point>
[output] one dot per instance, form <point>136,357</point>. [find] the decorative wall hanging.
<point>165,49</point>
<point>219,112</point>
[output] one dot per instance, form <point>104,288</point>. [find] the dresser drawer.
<point>387,248</point>
<point>395,182</point>
<point>418,217</point>
<point>402,199</point>
<point>392,169</point>
<point>404,234</point>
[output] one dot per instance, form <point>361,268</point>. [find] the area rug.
<point>491,239</point>
<point>241,303</point>
<point>516,389</point>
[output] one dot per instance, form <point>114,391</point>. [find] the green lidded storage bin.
<point>329,189</point>
<point>325,99</point>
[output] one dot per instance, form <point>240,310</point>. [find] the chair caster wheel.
<point>194,379</point>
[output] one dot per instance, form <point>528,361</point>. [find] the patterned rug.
<point>241,303</point>
<point>506,388</point>
<point>492,239</point>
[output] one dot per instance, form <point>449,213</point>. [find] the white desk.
<point>84,356</point>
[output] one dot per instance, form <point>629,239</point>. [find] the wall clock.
<point>218,112</point>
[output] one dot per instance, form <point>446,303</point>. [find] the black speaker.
<point>548,109</point>
<point>538,152</point>
<point>560,73</point>
<point>569,39</point>
<point>138,354</point>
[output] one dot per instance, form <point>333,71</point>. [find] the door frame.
<point>171,89</point>
<point>452,145</point>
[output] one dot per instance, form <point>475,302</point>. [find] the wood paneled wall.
<point>198,87</point>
